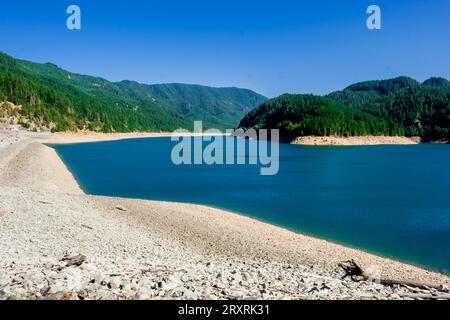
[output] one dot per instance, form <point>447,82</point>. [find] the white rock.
<point>4,280</point>
<point>114,283</point>
<point>99,277</point>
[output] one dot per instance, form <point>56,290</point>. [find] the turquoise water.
<point>391,200</point>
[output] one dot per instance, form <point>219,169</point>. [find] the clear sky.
<point>272,47</point>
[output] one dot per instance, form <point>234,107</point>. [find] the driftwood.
<point>73,260</point>
<point>121,208</point>
<point>151,270</point>
<point>58,296</point>
<point>144,271</point>
<point>357,273</point>
<point>425,296</point>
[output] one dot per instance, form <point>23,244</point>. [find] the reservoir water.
<point>390,200</point>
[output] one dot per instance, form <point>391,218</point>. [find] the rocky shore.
<point>354,141</point>
<point>58,243</point>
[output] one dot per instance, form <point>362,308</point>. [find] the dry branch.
<point>357,273</point>
<point>74,260</point>
<point>426,296</point>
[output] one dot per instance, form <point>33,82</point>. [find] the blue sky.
<point>272,47</point>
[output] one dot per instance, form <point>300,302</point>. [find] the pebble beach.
<point>56,242</point>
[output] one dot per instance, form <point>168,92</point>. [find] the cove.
<point>389,200</point>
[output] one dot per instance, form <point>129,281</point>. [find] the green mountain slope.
<point>303,115</point>
<point>400,106</point>
<point>421,109</point>
<point>59,100</point>
<point>62,100</point>
<point>217,107</point>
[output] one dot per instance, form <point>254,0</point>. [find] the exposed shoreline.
<point>88,136</point>
<point>44,213</point>
<point>355,141</point>
<point>83,136</point>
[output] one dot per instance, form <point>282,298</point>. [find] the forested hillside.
<point>49,99</point>
<point>420,109</point>
<point>400,106</point>
<point>221,108</point>
<point>303,115</point>
<point>52,98</point>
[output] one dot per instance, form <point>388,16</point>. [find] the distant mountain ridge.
<point>398,107</point>
<point>61,100</point>
<point>218,107</point>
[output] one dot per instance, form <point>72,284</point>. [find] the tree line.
<point>395,107</point>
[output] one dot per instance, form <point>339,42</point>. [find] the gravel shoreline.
<point>58,243</point>
<point>354,141</point>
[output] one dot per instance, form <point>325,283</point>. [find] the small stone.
<point>99,277</point>
<point>60,295</point>
<point>219,285</point>
<point>170,286</point>
<point>4,281</point>
<point>28,285</point>
<point>189,295</point>
<point>141,296</point>
<point>114,283</point>
<point>237,278</point>
<point>126,287</point>
<point>395,296</point>
<point>82,294</point>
